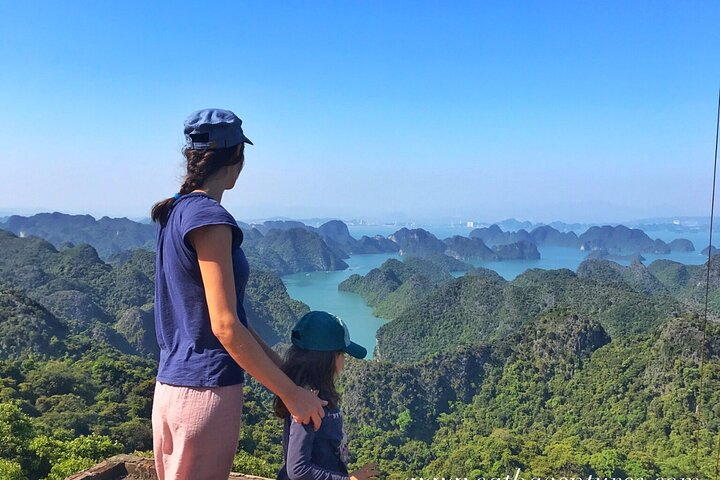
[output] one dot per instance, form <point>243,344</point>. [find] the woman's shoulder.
<point>199,203</point>
<point>198,210</point>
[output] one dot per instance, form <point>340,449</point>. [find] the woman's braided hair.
<point>201,165</point>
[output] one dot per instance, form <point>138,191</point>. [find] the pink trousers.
<point>195,431</point>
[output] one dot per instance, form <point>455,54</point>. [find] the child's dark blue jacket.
<point>311,455</point>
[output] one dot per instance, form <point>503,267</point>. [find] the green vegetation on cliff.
<point>77,339</point>
<point>556,398</point>
<point>475,309</point>
<point>396,284</point>
<point>48,295</point>
<point>558,373</point>
<point>293,250</point>
<point>109,236</point>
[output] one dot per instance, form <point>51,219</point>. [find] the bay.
<point>319,289</point>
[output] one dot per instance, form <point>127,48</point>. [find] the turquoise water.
<point>560,257</point>
<point>319,289</point>
<point>550,258</point>
<point>699,238</point>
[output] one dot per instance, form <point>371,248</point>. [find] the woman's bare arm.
<point>213,246</point>
<point>266,348</point>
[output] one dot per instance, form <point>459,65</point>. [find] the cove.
<point>319,289</point>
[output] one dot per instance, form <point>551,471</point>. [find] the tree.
<point>248,464</point>
<point>404,420</point>
<point>10,470</point>
<point>16,433</point>
<point>65,468</point>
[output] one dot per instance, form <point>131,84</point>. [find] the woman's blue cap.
<point>325,332</point>
<point>213,128</point>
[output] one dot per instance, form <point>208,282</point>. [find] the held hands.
<point>305,406</point>
<point>369,470</point>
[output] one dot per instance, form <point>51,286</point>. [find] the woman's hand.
<point>369,470</point>
<point>305,406</point>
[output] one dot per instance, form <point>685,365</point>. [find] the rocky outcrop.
<point>420,242</point>
<point>293,250</point>
<point>376,244</point>
<point>464,248</point>
<point>265,227</point>
<point>132,467</point>
<point>622,240</point>
<point>493,235</point>
<point>682,245</point>
<point>269,308</point>
<point>137,326</point>
<point>381,390</point>
<point>417,242</point>
<point>547,235</point>
<point>682,336</point>
<point>336,233</point>
<point>521,250</point>
<point>26,328</point>
<point>603,254</point>
<point>396,284</point>
<point>636,275</point>
<point>491,275</point>
<point>107,235</point>
<point>561,344</point>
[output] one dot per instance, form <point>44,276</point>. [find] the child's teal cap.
<point>325,332</point>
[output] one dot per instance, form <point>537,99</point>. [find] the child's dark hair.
<point>310,369</point>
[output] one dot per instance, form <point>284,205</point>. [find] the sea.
<point>319,290</point>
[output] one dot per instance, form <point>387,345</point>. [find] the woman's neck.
<point>213,191</point>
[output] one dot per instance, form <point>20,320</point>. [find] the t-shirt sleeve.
<point>299,456</point>
<point>208,212</point>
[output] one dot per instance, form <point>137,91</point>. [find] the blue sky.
<point>575,111</point>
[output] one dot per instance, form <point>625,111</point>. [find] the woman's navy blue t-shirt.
<point>190,355</point>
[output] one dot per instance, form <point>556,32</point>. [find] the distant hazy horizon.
<point>687,220</point>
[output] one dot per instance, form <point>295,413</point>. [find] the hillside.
<point>276,246</point>
<point>556,397</point>
<point>475,309</point>
<point>557,372</point>
<point>293,250</point>
<point>108,235</point>
<point>78,353</point>
<point>396,284</point>
<point>616,240</point>
<point>419,242</point>
<point>73,292</point>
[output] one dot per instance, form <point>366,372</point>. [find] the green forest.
<point>557,373</point>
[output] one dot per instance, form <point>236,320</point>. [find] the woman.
<point>205,342</point>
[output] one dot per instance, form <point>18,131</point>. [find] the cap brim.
<point>356,350</point>
<point>247,140</point>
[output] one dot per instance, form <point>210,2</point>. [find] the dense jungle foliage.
<point>558,373</point>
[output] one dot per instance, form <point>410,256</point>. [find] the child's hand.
<point>369,470</point>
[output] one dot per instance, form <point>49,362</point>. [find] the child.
<point>317,355</point>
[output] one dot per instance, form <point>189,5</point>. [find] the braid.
<point>201,165</point>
